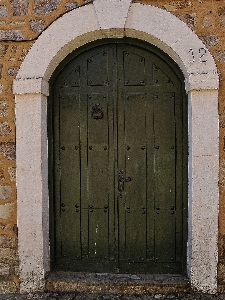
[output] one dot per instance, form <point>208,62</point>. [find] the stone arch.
<point>117,19</point>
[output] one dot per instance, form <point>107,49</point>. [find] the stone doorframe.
<point>117,19</point>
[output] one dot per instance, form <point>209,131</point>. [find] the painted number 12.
<point>201,55</point>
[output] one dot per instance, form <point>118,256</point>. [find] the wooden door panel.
<point>135,235</point>
<point>135,150</point>
<point>134,68</point>
<point>70,177</point>
<point>135,177</point>
<point>165,237</point>
<point>165,206</point>
<point>97,69</point>
<point>73,78</point>
<point>98,163</point>
<point>98,234</point>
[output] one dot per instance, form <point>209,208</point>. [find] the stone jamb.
<point>69,32</point>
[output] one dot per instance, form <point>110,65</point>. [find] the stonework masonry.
<point>21,23</point>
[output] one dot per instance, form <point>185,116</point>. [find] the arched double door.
<point>118,122</point>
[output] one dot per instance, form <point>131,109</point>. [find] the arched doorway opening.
<point>31,88</point>
<point>118,122</point>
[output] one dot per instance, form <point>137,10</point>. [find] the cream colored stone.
<point>32,176</point>
<point>156,22</point>
<point>111,13</point>
<point>30,86</point>
<point>202,81</point>
<point>6,210</point>
<point>205,191</point>
<point>195,57</point>
<point>204,123</point>
<point>207,252</point>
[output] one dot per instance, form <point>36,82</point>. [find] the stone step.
<point>122,284</point>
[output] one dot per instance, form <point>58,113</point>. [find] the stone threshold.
<point>108,283</point>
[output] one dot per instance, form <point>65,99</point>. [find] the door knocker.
<point>97,112</point>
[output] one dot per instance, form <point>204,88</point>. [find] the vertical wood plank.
<point>70,176</point>
<point>164,130</point>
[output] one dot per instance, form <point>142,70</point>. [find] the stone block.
<point>222,175</point>
<point>161,23</point>
<point>210,40</point>
<point>19,7</point>
<point>12,173</point>
<point>8,150</point>
<point>30,86</point>
<point>204,81</point>
<point>5,129</point>
<point>221,247</point>
<point>3,50</point>
<point>195,56</point>
<point>206,22</point>
<point>4,269</point>
<point>1,66</point>
<point>71,5</point>
<point>221,273</point>
<point>45,7</point>
<point>8,255</point>
<point>11,35</point>
<point>205,124</point>
<point>5,192</point>
<point>6,210</point>
<point>205,191</point>
<point>8,287</point>
<point>37,26</point>
<point>111,13</point>
<point>5,241</point>
<point>189,19</point>
<point>2,175</point>
<point>23,54</point>
<point>3,11</point>
<point>222,21</point>
<point>221,13</point>
<point>176,5</point>
<point>219,55</point>
<point>205,254</point>
<point>13,71</point>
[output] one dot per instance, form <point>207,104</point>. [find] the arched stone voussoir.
<point>113,13</point>
<point>175,38</point>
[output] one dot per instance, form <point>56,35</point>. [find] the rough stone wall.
<point>21,22</point>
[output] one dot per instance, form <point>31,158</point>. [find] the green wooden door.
<point>119,163</point>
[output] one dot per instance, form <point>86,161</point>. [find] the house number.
<point>200,55</point>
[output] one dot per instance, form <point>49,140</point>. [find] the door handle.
<point>121,180</point>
